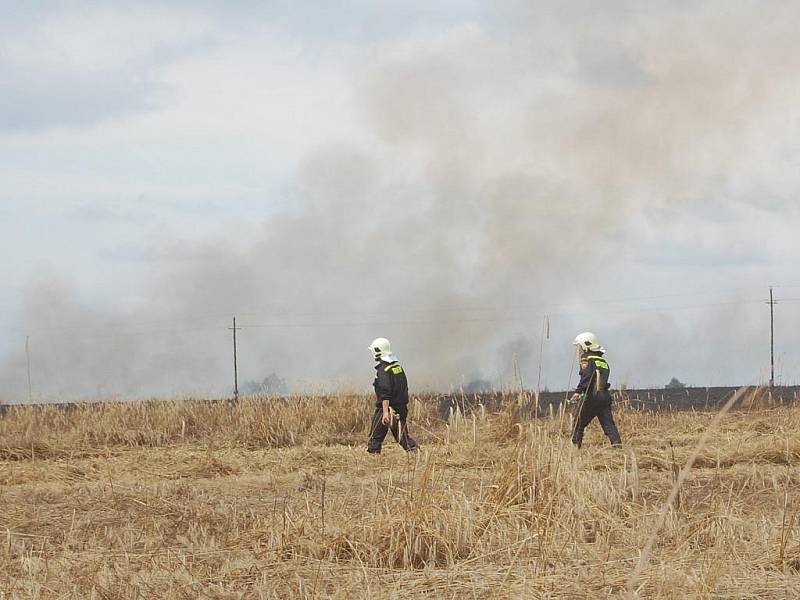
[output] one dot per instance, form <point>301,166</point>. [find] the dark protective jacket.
<point>594,377</point>
<point>390,384</point>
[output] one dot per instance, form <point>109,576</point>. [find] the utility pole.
<point>235,364</point>
<point>28,359</point>
<point>772,302</point>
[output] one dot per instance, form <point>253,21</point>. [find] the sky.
<point>477,181</point>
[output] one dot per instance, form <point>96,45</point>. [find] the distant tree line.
<point>271,385</point>
<point>675,384</point>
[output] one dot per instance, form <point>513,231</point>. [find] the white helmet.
<point>587,341</point>
<point>381,349</point>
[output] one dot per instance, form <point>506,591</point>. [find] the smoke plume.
<point>548,161</point>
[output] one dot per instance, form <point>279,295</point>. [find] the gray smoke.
<point>559,157</point>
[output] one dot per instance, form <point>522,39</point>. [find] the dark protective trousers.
<point>589,409</point>
<point>397,425</point>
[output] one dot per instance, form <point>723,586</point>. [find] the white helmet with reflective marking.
<point>587,342</point>
<point>382,350</point>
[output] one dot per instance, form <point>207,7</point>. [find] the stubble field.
<point>278,499</point>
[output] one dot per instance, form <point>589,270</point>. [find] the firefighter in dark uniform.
<point>391,400</point>
<point>592,394</point>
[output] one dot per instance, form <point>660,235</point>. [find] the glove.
<point>575,398</point>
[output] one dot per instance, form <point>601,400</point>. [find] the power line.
<point>129,334</point>
<point>537,308</point>
<point>498,319</point>
<point>527,316</point>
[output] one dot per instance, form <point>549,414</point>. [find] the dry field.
<point>280,500</point>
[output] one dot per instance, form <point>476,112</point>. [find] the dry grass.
<point>274,500</point>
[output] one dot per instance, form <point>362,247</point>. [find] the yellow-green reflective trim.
<point>393,366</point>
<point>599,360</point>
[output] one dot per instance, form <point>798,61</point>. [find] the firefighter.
<point>391,399</point>
<point>592,394</point>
